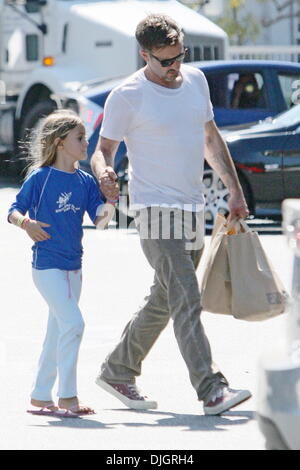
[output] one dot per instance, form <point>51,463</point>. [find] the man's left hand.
<point>238,208</point>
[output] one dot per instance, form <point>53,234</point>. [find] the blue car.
<point>242,93</point>
<point>267,159</point>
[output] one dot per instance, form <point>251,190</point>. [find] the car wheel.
<point>217,195</point>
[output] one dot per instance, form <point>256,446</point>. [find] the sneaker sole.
<point>237,400</point>
<point>134,404</point>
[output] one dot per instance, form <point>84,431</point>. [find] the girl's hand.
<point>34,230</point>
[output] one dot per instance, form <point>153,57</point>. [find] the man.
<point>163,113</point>
<point>246,92</point>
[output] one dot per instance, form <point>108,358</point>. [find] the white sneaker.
<point>127,394</point>
<point>224,399</point>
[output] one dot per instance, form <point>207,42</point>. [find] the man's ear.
<point>144,55</point>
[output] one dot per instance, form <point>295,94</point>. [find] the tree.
<point>195,4</point>
<point>240,26</point>
<point>285,9</point>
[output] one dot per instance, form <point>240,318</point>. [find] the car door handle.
<point>272,153</point>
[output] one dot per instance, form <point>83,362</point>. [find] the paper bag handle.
<point>236,224</point>
<point>244,224</point>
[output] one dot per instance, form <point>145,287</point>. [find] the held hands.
<point>34,230</point>
<point>109,184</point>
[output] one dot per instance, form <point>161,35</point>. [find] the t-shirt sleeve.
<point>118,114</point>
<point>26,197</point>
<point>209,111</point>
<point>95,199</point>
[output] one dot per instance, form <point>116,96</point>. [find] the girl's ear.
<point>58,142</point>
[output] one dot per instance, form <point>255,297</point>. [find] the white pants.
<point>61,290</point>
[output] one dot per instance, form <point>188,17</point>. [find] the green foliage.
<point>240,26</point>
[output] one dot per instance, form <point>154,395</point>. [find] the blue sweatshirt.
<point>59,199</point>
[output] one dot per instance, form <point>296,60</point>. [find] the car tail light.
<point>98,121</point>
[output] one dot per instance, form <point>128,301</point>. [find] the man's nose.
<point>175,66</point>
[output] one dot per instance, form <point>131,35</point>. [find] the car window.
<point>243,90</point>
<point>288,82</point>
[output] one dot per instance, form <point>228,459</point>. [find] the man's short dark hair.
<point>156,31</point>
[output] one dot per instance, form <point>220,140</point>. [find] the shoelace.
<point>219,393</point>
<point>134,390</point>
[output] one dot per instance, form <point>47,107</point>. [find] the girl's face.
<point>74,145</point>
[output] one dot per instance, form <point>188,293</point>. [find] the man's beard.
<point>171,75</point>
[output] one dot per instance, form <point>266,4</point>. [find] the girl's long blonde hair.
<point>43,140</point>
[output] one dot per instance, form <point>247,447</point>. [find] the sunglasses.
<point>167,62</point>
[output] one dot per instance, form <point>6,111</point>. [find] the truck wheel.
<point>38,111</point>
<point>30,121</point>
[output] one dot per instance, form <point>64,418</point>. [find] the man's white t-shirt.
<point>163,129</point>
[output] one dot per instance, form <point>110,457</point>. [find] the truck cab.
<point>49,48</point>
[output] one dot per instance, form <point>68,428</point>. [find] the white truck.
<point>50,48</point>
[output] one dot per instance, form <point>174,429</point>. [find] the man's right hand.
<point>108,181</point>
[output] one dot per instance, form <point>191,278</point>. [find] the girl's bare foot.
<point>44,404</point>
<point>73,405</point>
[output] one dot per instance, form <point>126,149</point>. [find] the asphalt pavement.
<point>116,277</point>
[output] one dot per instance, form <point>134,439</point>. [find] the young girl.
<point>56,195</point>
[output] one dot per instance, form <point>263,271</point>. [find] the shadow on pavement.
<point>192,422</point>
<point>189,422</point>
<point>74,423</point>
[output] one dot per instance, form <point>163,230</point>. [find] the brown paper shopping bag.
<point>216,283</point>
<point>257,291</point>
<point>239,278</point>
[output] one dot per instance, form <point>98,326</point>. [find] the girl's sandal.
<point>75,409</point>
<point>81,410</point>
<point>48,410</point>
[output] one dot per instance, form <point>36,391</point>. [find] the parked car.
<point>242,92</point>
<point>267,158</point>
